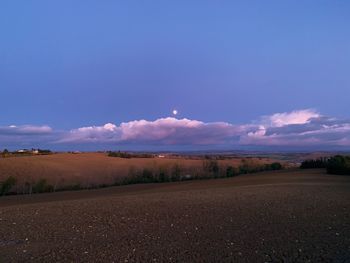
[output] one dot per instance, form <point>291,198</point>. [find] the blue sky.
<point>65,65</point>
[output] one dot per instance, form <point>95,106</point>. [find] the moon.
<point>175,112</point>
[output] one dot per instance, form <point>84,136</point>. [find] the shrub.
<point>7,185</point>
<point>231,171</point>
<point>41,187</point>
<point>276,166</point>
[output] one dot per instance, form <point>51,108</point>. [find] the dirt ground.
<point>284,216</point>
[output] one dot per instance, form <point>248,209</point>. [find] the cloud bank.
<point>300,128</point>
<point>168,131</point>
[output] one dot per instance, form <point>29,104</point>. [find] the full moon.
<point>175,112</point>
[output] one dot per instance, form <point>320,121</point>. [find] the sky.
<point>241,74</point>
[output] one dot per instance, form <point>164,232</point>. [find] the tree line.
<point>127,155</point>
<point>338,164</point>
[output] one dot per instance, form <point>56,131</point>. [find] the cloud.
<point>163,131</point>
<point>100,134</point>
<point>175,131</point>
<point>300,128</point>
<point>289,118</point>
<point>25,135</point>
<point>24,130</point>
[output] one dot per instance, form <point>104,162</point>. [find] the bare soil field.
<point>88,169</point>
<point>284,216</point>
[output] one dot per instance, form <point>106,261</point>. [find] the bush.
<point>339,165</point>
<point>231,171</point>
<point>42,187</point>
<point>275,166</point>
<point>7,185</point>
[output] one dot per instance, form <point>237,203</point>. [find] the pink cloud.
<point>164,131</point>
<point>296,128</point>
<point>156,130</point>
<point>302,127</point>
<point>288,118</point>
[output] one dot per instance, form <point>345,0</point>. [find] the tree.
<point>339,165</point>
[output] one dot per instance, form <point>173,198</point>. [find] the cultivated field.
<point>93,169</point>
<point>281,216</point>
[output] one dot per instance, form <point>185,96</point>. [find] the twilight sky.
<point>107,74</point>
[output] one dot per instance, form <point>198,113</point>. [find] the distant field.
<point>89,169</point>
